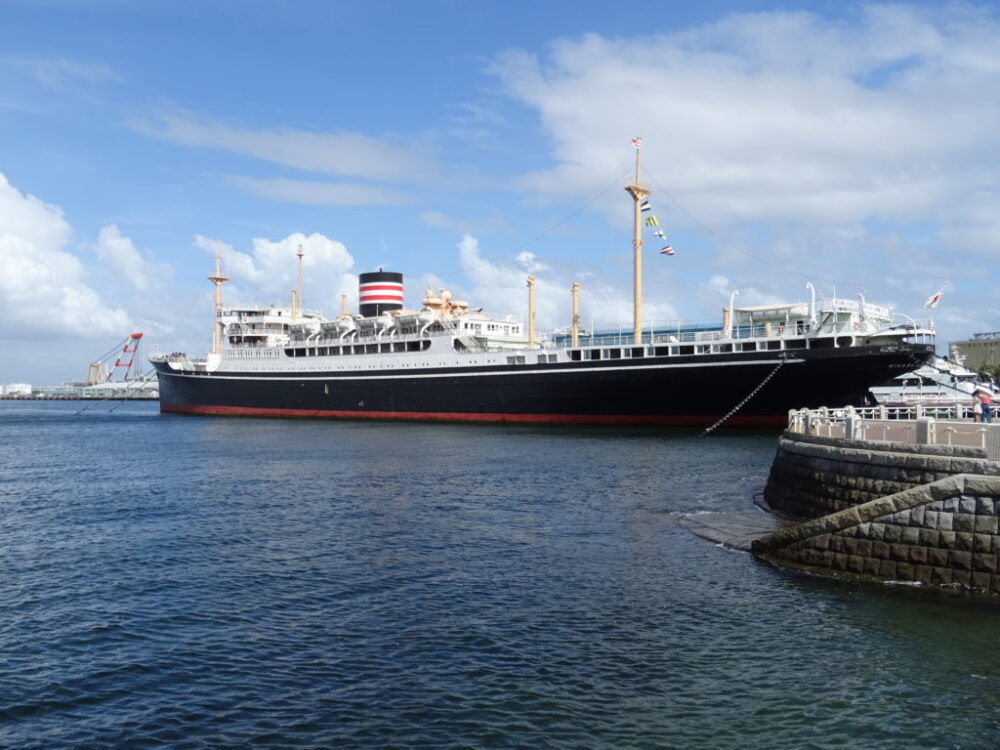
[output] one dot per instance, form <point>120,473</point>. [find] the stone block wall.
<point>942,535</point>
<point>812,476</point>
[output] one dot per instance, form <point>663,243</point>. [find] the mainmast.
<point>218,279</point>
<point>298,297</point>
<point>638,193</point>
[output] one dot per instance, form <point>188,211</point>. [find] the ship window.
<point>371,349</point>
<point>703,348</point>
<point>638,351</point>
<point>425,345</point>
<point>385,347</point>
<point>795,343</point>
<point>312,352</point>
<point>613,353</point>
<point>593,354</point>
<point>748,346</point>
<point>771,345</point>
<point>687,350</point>
<point>517,360</point>
<point>413,346</point>
<point>725,348</point>
<point>662,351</point>
<point>574,355</point>
<point>399,346</point>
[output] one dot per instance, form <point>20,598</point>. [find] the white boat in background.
<point>939,382</point>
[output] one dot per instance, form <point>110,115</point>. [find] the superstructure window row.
<point>387,347</point>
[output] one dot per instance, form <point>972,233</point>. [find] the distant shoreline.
<point>79,398</point>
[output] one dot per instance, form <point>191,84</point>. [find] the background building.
<point>982,350</point>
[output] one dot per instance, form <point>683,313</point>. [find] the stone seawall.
<point>943,534</point>
<point>813,476</point>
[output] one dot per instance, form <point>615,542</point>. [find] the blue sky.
<point>467,144</point>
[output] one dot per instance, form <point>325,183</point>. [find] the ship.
<point>940,382</point>
<point>448,361</point>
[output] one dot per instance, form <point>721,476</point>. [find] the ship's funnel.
<point>379,292</point>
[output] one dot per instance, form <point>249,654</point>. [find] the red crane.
<point>104,370</point>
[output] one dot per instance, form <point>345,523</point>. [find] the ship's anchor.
<point>743,402</point>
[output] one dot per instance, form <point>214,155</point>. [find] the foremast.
<point>218,280</point>
<point>638,193</point>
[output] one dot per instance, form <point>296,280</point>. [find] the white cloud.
<point>857,150</point>
<point>42,288</point>
<point>120,253</point>
<point>464,225</point>
<point>502,289</point>
<point>321,193</point>
<point>747,296</point>
<point>781,115</point>
<point>342,153</point>
<point>269,272</point>
<point>60,74</point>
<point>530,262</point>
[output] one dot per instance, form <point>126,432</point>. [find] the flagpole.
<point>638,193</point>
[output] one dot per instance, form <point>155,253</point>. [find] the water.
<point>199,582</point>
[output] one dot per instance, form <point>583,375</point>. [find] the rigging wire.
<point>725,242</point>
<point>450,273</point>
<point>547,230</point>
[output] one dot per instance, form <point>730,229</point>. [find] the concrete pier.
<point>890,511</point>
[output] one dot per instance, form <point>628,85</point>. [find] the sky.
<point>470,144</point>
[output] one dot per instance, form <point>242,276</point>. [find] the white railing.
<point>947,425</point>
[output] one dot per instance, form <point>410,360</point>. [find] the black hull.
<point>674,390</point>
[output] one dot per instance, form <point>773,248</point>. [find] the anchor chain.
<point>741,403</point>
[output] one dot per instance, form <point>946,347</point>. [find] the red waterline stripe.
<point>693,420</point>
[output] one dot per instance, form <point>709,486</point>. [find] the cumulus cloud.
<point>780,115</point>
<point>269,271</point>
<point>120,253</point>
<point>43,288</point>
<point>501,288</point>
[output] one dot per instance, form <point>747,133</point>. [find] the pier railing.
<point>925,425</point>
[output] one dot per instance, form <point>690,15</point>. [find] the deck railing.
<point>945,425</point>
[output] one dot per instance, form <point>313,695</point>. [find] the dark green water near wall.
<point>199,582</point>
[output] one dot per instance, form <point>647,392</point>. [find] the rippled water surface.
<point>202,582</point>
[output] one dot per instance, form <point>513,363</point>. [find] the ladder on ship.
<point>468,343</point>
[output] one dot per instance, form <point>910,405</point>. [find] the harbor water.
<point>195,582</point>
